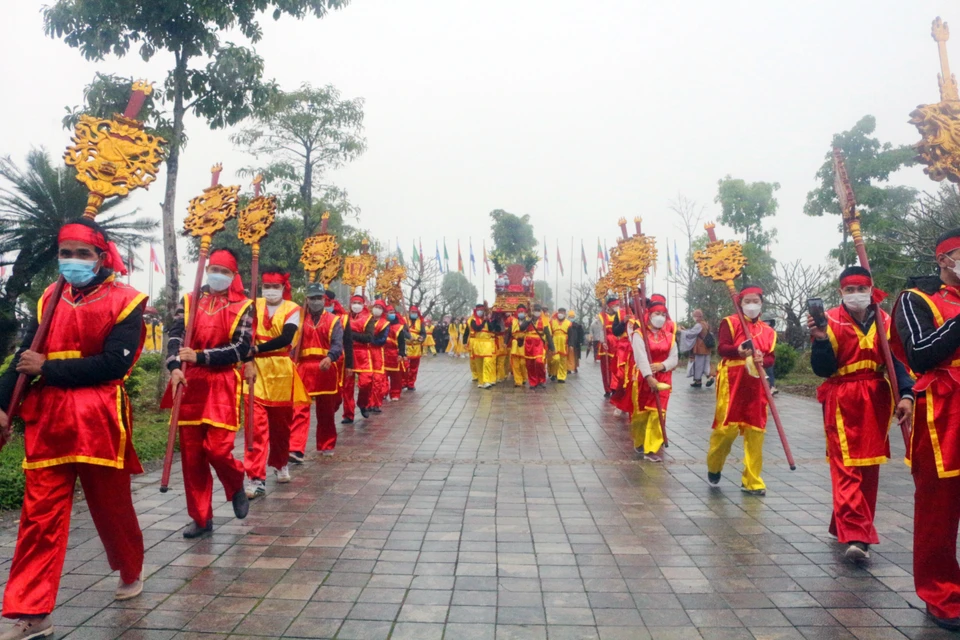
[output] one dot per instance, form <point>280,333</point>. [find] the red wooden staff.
<point>203,221</point>
<point>851,218</point>
<point>712,234</point>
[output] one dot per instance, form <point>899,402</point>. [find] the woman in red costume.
<point>656,374</point>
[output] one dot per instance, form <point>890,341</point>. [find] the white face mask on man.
<point>356,307</point>
<point>273,296</point>
<point>377,312</point>
<point>752,310</point>
<point>856,301</point>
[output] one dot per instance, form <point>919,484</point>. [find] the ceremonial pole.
<point>321,260</point>
<point>208,213</point>
<point>96,145</point>
<point>722,262</point>
<point>570,266</point>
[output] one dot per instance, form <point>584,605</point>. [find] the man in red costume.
<point>321,349</point>
<point>394,352</point>
<point>741,402</point>
<point>78,424</point>
<point>857,406</point>
<point>278,388</point>
<point>607,348</point>
<point>927,338</point>
<point>536,342</point>
<point>362,334</point>
<point>381,385</point>
<point>209,415</point>
<point>417,331</point>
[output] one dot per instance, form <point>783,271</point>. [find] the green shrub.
<point>134,382</point>
<point>151,361</point>
<point>6,363</point>
<point>786,360</point>
<point>11,474</point>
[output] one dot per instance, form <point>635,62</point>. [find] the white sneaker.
<point>255,489</point>
<point>327,453</point>
<point>283,474</point>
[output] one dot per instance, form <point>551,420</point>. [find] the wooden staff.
<point>206,238</point>
<point>641,308</point>
<point>731,289</point>
<point>851,218</point>
<point>104,178</point>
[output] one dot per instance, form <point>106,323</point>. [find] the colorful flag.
<point>559,261</point>
<point>473,262</point>
<point>400,253</point>
<point>459,257</point>
<point>676,257</point>
<point>439,261</point>
<point>421,253</point>
<point>583,257</point>
<point>446,256</point>
<point>669,266</point>
<point>416,256</point>
<point>485,261</point>
<point>155,261</point>
<point>546,260</point>
<point>606,258</point>
<point>600,269</point>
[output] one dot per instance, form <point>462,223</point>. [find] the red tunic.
<point>212,394</point>
<point>391,350</point>
<point>533,346</point>
<point>661,342</point>
<point>314,347</point>
<point>362,360</point>
<point>609,347</point>
<point>857,400</point>
<point>89,424</point>
<point>376,352</point>
<point>741,401</point>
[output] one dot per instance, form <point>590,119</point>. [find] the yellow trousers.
<point>647,434</point>
<point>476,368</point>
<point>721,440</point>
<point>553,363</point>
<point>486,368</point>
<point>502,367</point>
<point>571,360</point>
<point>519,365</point>
<point>561,367</point>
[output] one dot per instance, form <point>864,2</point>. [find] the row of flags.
<point>444,262</point>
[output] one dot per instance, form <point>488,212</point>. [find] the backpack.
<point>709,341</point>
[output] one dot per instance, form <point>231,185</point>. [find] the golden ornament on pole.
<point>389,278</point>
<point>939,124</point>
<point>720,261</point>
<point>358,269</point>
<point>320,255</point>
<point>631,259</point>
<point>257,217</point>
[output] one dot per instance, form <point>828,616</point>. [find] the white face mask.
<point>480,313</point>
<point>377,312</point>
<point>613,308</point>
<point>956,268</point>
<point>561,316</point>
<point>356,308</point>
<point>752,310</point>
<point>273,296</point>
<point>658,321</point>
<point>856,301</point>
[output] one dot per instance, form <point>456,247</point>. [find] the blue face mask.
<point>218,282</point>
<point>414,316</point>
<point>79,273</point>
<point>521,315</point>
<point>328,309</point>
<point>391,317</point>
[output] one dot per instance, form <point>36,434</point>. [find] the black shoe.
<point>713,478</point>
<point>194,530</point>
<point>411,388</point>
<point>554,378</point>
<point>950,624</point>
<point>347,421</point>
<point>710,381</point>
<point>696,385</point>
<point>376,410</point>
<point>241,504</point>
<point>295,457</point>
<point>365,412</point>
<point>857,551</point>
<point>607,394</point>
<point>561,381</point>
<point>753,492</point>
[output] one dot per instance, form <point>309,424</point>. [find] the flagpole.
<point>483,271</point>
<point>556,275</point>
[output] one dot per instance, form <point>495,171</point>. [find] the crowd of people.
<point>279,358</point>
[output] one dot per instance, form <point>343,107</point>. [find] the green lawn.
<point>801,381</point>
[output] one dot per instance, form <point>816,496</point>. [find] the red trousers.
<point>45,525</point>
<point>410,375</point>
<point>936,514</point>
<point>202,447</point>
<point>271,430</point>
<point>381,387</point>
<point>605,363</point>
<point>854,501</point>
<point>536,372</point>
<point>396,383</point>
<point>365,382</point>
<point>326,426</point>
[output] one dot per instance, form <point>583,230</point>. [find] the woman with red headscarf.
<point>656,377</point>
<point>78,426</point>
<point>209,412</point>
<point>278,386</point>
<point>741,402</point>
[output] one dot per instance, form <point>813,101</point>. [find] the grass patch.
<point>802,381</point>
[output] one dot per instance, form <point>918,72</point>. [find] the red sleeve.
<point>725,346</point>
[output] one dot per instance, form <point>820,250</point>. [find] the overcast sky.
<point>574,112</point>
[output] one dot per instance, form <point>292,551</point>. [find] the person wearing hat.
<point>78,425</point>
<point>857,406</point>
<point>417,331</point>
<point>560,330</point>
<point>741,402</point>
<point>536,342</point>
<point>395,352</point>
<point>574,343</point>
<point>480,333</point>
<point>655,376</point>
<point>381,385</point>
<point>209,415</point>
<point>321,350</point>
<point>518,363</point>
<point>361,330</point>
<point>611,319</point>
<point>278,387</point>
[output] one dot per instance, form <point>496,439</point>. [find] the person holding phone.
<point>741,401</point>
<point>857,404</point>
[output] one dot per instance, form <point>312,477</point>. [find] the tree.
<point>222,92</point>
<point>744,206</point>
<point>585,302</point>
<point>34,204</point>
<point>543,293</point>
<point>690,214</point>
<point>795,283</point>
<point>303,134</point>
<point>457,295</point>
<point>513,241</point>
<point>422,285</point>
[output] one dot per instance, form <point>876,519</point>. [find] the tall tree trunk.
<point>306,192</point>
<point>172,287</point>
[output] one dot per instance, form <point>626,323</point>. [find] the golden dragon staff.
<point>321,259</point>
<point>207,214</point>
<point>112,157</point>
<point>254,224</point>
<point>722,262</point>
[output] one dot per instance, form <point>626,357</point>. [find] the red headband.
<point>751,289</point>
<point>223,258</point>
<point>86,235</point>
<point>414,308</point>
<point>656,305</point>
<point>379,303</point>
<point>856,280</point>
<point>948,245</point>
<point>359,299</point>
<point>657,297</point>
<point>278,278</point>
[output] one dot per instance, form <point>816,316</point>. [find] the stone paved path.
<point>468,514</point>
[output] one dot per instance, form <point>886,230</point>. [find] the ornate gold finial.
<point>209,212</point>
<point>720,261</point>
<point>257,180</point>
<point>622,221</point>
<point>638,219</point>
<point>320,256</point>
<point>325,216</point>
<point>631,258</point>
<point>388,281</point>
<point>948,82</point>
<point>939,124</point>
<point>256,218</point>
<point>146,88</point>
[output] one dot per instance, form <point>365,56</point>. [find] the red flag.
<point>421,254</point>
<point>459,257</point>
<point>559,261</point>
<point>485,261</point>
<point>155,261</point>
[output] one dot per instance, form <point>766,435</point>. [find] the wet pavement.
<point>464,514</point>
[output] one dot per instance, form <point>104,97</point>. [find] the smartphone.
<point>817,312</point>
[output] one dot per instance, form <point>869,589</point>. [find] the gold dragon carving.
<point>938,124</point>
<point>720,261</point>
<point>256,218</point>
<point>320,256</point>
<point>358,269</point>
<point>209,212</point>
<point>390,275</point>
